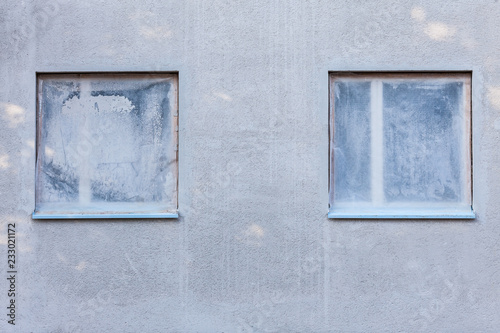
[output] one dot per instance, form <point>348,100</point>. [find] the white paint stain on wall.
<point>439,31</point>
<point>4,161</point>
<point>418,13</point>
<point>13,114</point>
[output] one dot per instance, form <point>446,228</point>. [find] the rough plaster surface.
<point>253,250</point>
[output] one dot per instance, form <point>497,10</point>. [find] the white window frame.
<point>377,209</point>
<point>118,210</point>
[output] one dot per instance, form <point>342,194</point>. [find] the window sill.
<point>42,216</point>
<point>459,214</point>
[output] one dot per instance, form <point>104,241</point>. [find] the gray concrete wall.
<point>253,249</point>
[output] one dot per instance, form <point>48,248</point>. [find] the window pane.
<point>400,145</point>
<point>351,146</point>
<point>422,141</point>
<point>106,144</point>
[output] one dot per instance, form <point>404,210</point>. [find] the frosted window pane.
<point>106,144</point>
<point>352,141</point>
<point>400,145</point>
<point>422,141</point>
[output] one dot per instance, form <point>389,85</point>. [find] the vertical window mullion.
<point>377,143</point>
<point>84,187</point>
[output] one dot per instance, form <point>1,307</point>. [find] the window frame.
<point>168,213</point>
<point>402,213</point>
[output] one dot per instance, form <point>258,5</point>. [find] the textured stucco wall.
<point>253,250</point>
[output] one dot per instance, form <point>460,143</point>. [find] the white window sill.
<point>99,210</point>
<point>462,214</point>
<point>42,216</point>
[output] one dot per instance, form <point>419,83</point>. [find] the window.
<point>106,146</point>
<point>400,145</point>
